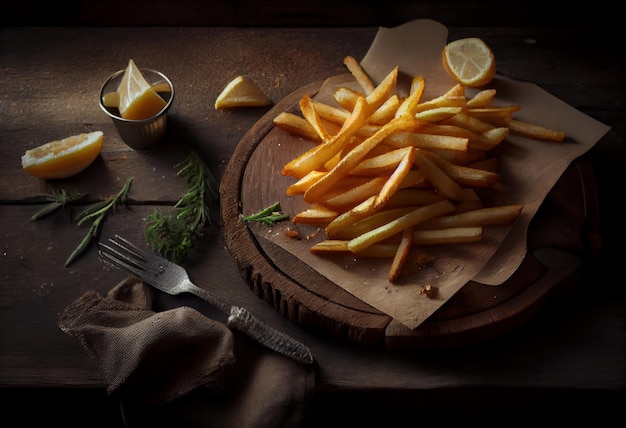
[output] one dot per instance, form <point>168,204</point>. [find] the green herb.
<point>173,236</point>
<point>97,212</point>
<point>56,199</point>
<point>269,215</point>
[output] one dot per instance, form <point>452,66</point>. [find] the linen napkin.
<point>180,367</point>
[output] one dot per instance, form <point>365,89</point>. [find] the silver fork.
<point>173,279</point>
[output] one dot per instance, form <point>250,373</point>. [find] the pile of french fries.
<point>389,175</point>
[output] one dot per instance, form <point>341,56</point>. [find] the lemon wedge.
<point>63,158</point>
<point>241,92</point>
<point>112,99</point>
<point>136,97</point>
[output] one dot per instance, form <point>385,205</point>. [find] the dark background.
<point>293,13</point>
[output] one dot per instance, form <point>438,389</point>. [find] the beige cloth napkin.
<point>180,367</point>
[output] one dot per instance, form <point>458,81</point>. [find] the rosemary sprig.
<point>174,235</point>
<point>269,215</point>
<point>97,212</point>
<point>56,200</point>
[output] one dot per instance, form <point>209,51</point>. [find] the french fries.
<point>388,175</point>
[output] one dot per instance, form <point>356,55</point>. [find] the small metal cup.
<point>139,134</point>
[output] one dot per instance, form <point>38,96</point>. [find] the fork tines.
<point>122,254</point>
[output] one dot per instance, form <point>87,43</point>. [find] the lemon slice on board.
<point>136,97</point>
<point>469,61</point>
<point>241,92</point>
<point>63,158</point>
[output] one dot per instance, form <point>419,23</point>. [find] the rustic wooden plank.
<point>38,61</point>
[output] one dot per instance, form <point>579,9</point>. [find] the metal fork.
<point>173,279</point>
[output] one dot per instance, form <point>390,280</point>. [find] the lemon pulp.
<point>63,158</point>
<point>469,61</point>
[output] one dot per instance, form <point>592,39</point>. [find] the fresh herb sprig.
<point>268,216</point>
<point>97,212</point>
<point>174,235</point>
<point>56,200</point>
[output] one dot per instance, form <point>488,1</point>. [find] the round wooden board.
<point>476,313</point>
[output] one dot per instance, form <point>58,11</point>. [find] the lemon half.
<point>469,61</point>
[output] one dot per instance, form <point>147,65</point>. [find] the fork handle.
<point>242,320</point>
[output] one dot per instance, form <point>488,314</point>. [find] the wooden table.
<point>570,356</point>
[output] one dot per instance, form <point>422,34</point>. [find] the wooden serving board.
<point>561,235</point>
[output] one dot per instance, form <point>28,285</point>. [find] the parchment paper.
<point>530,169</point>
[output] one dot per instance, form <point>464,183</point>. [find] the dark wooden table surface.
<point>568,358</point>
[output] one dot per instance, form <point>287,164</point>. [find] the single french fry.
<point>438,114</point>
<point>417,216</point>
<point>530,130</point>
<point>466,121</point>
<point>349,183</point>
<point>496,116</point>
<point>296,125</point>
<point>490,139</point>
<point>482,98</point>
<point>380,164</point>
<point>448,130</point>
<point>471,177</point>
<point>347,199</point>
<point>457,235</point>
<point>428,141</point>
<point>300,186</point>
<point>346,97</point>
<point>359,74</point>
<point>409,104</point>
<point>399,259</point>
<point>318,216</point>
<point>503,215</point>
<point>330,246</point>
<point>418,84</point>
<point>456,92</point>
<point>384,90</point>
<point>393,183</point>
<point>331,113</point>
<point>310,114</point>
